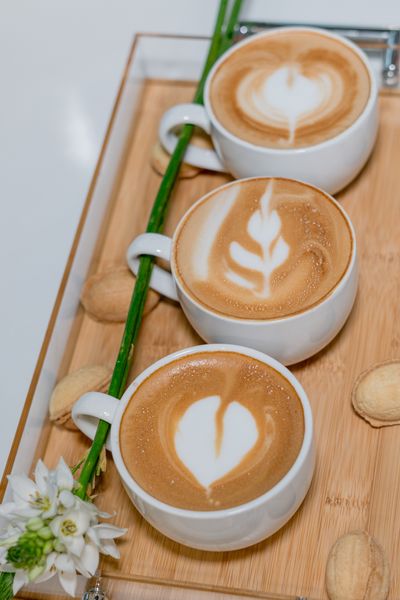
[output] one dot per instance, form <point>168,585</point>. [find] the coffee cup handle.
<point>193,114</point>
<point>90,408</point>
<point>154,244</point>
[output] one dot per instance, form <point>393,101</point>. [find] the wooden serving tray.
<point>357,478</point>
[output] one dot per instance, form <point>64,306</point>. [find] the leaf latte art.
<point>262,248</point>
<point>211,430</point>
<point>290,89</point>
<point>263,227</point>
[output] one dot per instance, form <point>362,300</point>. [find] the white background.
<point>60,65</point>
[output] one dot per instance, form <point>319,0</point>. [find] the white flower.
<point>51,531</point>
<point>39,497</point>
<point>88,561</point>
<point>66,572</point>
<point>70,528</point>
<point>102,536</point>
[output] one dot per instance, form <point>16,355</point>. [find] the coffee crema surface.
<point>262,249</point>
<point>290,89</point>
<point>211,430</point>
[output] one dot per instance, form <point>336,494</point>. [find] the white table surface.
<point>60,65</point>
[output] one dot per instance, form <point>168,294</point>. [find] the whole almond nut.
<point>107,296</point>
<point>357,569</point>
<point>376,394</point>
<point>68,390</point>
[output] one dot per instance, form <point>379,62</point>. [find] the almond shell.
<point>71,387</point>
<point>106,296</point>
<point>357,569</point>
<point>376,394</point>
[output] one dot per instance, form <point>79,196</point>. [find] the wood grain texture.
<point>357,479</point>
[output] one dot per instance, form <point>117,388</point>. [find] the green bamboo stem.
<point>221,40</point>
<point>155,224</point>
<point>6,585</point>
<point>227,39</point>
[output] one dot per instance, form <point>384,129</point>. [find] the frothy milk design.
<point>284,96</point>
<point>211,445</point>
<point>211,430</point>
<point>264,227</point>
<point>291,89</point>
<point>262,249</point>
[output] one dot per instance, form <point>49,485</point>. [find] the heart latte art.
<point>290,89</point>
<point>211,444</point>
<point>262,248</point>
<point>211,430</point>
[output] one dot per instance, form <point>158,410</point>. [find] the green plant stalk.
<point>6,585</point>
<point>220,41</point>
<point>227,39</point>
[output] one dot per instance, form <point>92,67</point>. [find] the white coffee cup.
<point>289,339</point>
<point>330,165</point>
<point>219,530</point>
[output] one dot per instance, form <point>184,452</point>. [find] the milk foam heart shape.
<point>291,94</point>
<point>195,439</point>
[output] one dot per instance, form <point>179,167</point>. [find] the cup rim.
<point>226,512</point>
<point>373,92</point>
<point>285,318</point>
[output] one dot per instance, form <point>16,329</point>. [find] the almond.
<point>376,394</point>
<point>106,296</point>
<point>68,390</point>
<point>357,569</point>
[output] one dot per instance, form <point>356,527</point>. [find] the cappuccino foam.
<point>290,89</point>
<point>211,430</point>
<point>262,248</point>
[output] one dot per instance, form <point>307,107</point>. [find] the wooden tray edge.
<point>77,236</point>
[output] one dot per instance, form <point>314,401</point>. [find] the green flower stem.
<point>227,39</point>
<point>41,544</point>
<point>6,586</point>
<point>220,41</point>
<point>155,224</point>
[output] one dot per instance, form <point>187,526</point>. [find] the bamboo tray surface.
<point>357,478</point>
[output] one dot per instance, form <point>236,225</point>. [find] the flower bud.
<point>34,524</point>
<point>35,572</point>
<point>45,533</point>
<point>48,547</point>
<point>58,546</point>
<point>27,552</point>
